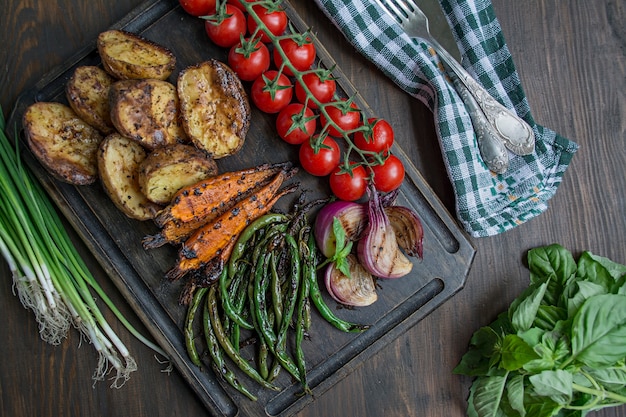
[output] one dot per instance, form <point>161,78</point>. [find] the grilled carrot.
<point>201,203</point>
<point>210,239</point>
<point>212,194</point>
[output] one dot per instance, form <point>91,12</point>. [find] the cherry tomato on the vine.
<point>300,52</point>
<point>378,138</point>
<point>226,26</point>
<point>348,186</point>
<point>249,60</point>
<point>346,116</point>
<point>274,20</point>
<point>271,92</point>
<point>322,162</point>
<point>389,175</point>
<point>198,7</point>
<point>323,89</point>
<point>296,124</point>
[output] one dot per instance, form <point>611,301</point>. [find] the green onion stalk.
<point>49,276</point>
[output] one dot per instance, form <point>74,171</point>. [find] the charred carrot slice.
<point>175,231</point>
<point>213,194</point>
<point>209,240</point>
<point>208,274</point>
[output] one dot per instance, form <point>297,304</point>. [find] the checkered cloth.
<point>486,203</point>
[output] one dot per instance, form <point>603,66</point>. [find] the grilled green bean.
<point>190,344</point>
<point>229,309</point>
<point>217,355</point>
<point>264,327</point>
<point>310,273</point>
<point>301,330</point>
<point>224,342</point>
<point>276,290</point>
<point>247,234</point>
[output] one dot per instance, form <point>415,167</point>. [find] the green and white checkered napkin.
<point>486,203</point>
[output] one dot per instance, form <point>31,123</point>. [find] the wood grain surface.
<point>571,57</point>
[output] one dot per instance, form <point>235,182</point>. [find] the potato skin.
<point>118,164</point>
<point>168,169</point>
<point>87,92</point>
<point>126,55</point>
<point>147,111</point>
<point>214,107</point>
<point>65,144</point>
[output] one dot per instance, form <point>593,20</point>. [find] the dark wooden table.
<point>571,56</point>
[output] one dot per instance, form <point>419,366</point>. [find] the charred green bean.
<point>217,355</point>
<point>310,273</point>
<point>190,343</point>
<point>224,342</point>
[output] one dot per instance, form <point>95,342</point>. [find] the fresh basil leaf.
<point>557,385</point>
<point>551,347</point>
<point>502,324</point>
<point>541,407</point>
<point>524,309</point>
<point>553,263</point>
<point>340,235</point>
<point>599,331</point>
<point>487,395</point>
<point>581,292</point>
<point>611,378</point>
<point>477,360</point>
<point>515,394</point>
<point>548,316</point>
<point>515,353</point>
<point>598,268</point>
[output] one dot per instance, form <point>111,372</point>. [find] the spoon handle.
<point>492,150</point>
<point>511,129</point>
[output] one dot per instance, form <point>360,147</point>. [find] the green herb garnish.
<point>560,349</point>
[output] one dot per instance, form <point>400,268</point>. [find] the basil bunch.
<point>560,349</point>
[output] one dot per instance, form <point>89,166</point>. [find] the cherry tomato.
<point>296,124</point>
<point>389,175</point>
<point>227,28</point>
<point>275,20</point>
<point>323,89</point>
<point>378,138</point>
<point>198,7</point>
<point>348,186</point>
<point>271,92</point>
<point>299,52</point>
<point>249,60</point>
<point>346,117</point>
<point>238,4</point>
<point>324,161</point>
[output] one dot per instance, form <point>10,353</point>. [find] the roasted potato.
<point>214,107</point>
<point>87,92</point>
<point>170,168</point>
<point>147,111</point>
<point>65,144</point>
<point>126,55</point>
<point>119,159</point>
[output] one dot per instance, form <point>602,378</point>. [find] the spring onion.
<point>49,276</point>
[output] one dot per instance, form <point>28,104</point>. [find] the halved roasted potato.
<point>87,92</point>
<point>65,144</point>
<point>127,55</point>
<point>214,107</point>
<point>147,111</point>
<point>170,168</point>
<point>119,159</point>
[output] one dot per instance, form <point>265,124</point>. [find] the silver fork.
<point>497,128</point>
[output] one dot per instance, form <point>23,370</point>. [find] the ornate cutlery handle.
<point>512,130</point>
<point>492,150</point>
